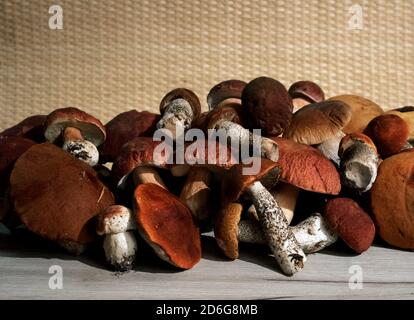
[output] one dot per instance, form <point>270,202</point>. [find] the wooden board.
<point>24,265</point>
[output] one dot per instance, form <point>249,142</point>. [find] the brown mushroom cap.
<point>226,229</point>
<point>225,90</point>
<point>307,168</point>
<point>308,90</point>
<point>235,182</point>
<point>267,105</point>
<point>318,122</point>
<point>11,148</point>
<point>167,225</point>
<point>389,133</point>
<point>138,152</point>
<point>351,223</point>
<point>91,128</point>
<point>230,112</point>
<point>392,200</point>
<point>363,111</point>
<point>56,195</point>
<point>182,93</point>
<point>200,121</point>
<point>30,128</point>
<point>125,127</point>
<point>406,113</point>
<point>351,138</point>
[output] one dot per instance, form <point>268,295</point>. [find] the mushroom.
<point>229,112</point>
<point>392,200</point>
<point>279,237</point>
<point>56,196</point>
<point>179,107</point>
<point>123,128</point>
<point>116,223</point>
<point>302,167</point>
<point>304,93</point>
<point>359,162</point>
<point>362,109</point>
<point>225,93</point>
<point>139,157</point>
<point>267,105</point>
<point>320,124</point>
<point>31,128</point>
<point>313,234</point>
<point>406,113</point>
<point>352,224</point>
<point>167,225</point>
<point>389,132</point>
<point>80,132</point>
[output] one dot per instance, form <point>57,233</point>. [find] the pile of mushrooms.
<point>330,170</point>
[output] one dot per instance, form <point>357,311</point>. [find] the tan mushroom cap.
<point>56,195</point>
<point>307,168</point>
<point>318,122</point>
<point>363,111</point>
<point>182,93</point>
<point>167,225</point>
<point>226,229</point>
<point>235,182</point>
<point>91,128</point>
<point>224,90</point>
<point>140,151</point>
<point>406,113</point>
<point>31,128</point>
<point>392,200</point>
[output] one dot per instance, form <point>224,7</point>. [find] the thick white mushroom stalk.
<point>177,114</point>
<point>83,150</point>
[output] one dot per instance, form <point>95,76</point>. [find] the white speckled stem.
<point>312,234</point>
<point>269,149</point>
<point>280,238</point>
<point>330,147</point>
<point>359,167</point>
<point>120,249</point>
<point>177,113</point>
<point>84,150</point>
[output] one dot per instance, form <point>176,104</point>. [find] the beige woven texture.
<point>113,56</point>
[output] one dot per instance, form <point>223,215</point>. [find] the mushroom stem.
<point>280,238</point>
<point>268,148</point>
<point>177,114</point>
<point>120,249</point>
<point>196,193</point>
<point>146,174</point>
<point>75,144</point>
<point>330,147</point>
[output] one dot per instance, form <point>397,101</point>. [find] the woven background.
<point>116,55</point>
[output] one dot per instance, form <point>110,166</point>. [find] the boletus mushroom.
<point>305,92</point>
<point>56,196</point>
<point>80,133</point>
<point>406,113</point>
<point>31,128</point>
<point>228,92</point>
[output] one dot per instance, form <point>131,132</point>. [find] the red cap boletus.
<point>55,195</point>
<point>352,224</point>
<point>80,132</point>
<point>123,128</point>
<point>389,133</point>
<point>230,112</point>
<point>224,93</point>
<point>406,113</point>
<point>31,128</point>
<point>305,92</point>
<point>267,105</point>
<point>167,225</point>
<point>392,200</point>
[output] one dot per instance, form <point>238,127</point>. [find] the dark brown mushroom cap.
<point>11,148</point>
<point>139,152</point>
<point>182,93</point>
<point>226,228</point>
<point>352,138</point>
<point>225,90</point>
<point>91,128</point>
<point>200,121</point>
<point>167,224</point>
<point>230,112</point>
<point>235,182</point>
<point>308,90</point>
<point>318,122</point>
<point>56,195</point>
<point>389,132</point>
<point>31,128</point>
<point>307,168</point>
<point>392,200</point>
<point>123,128</point>
<point>267,105</point>
<point>352,224</point>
